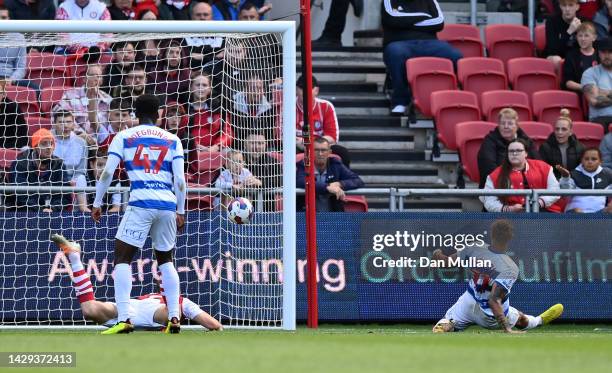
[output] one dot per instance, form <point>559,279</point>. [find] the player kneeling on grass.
<point>486,301</point>
<point>146,312</point>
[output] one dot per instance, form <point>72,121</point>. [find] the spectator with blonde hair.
<point>493,149</point>
<point>562,148</point>
<point>579,59</point>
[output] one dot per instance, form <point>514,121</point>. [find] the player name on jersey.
<point>424,262</point>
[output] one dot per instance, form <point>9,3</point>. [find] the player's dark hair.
<point>502,231</point>
<point>147,108</point>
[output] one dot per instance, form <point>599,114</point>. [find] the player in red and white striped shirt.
<point>146,312</point>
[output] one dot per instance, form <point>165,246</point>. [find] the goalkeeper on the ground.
<point>146,312</point>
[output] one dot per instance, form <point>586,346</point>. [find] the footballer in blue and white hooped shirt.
<point>153,159</point>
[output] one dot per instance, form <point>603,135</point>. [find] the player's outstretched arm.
<point>496,298</point>
<point>193,312</point>
<point>105,180</point>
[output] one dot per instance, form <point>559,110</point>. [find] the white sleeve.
<point>106,178</point>
<point>551,184</point>
<point>567,183</point>
<point>190,309</point>
<point>178,170</point>
<point>491,203</point>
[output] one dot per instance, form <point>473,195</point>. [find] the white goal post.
<point>244,275</point>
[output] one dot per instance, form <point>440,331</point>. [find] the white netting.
<point>220,93</point>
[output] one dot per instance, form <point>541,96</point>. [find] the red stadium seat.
<point>548,104</point>
<point>25,97</point>
<point>532,74</point>
<point>466,38</point>
<point>469,138</point>
<point>540,39</point>
<point>206,167</point>
<point>479,74</point>
<point>355,204</point>
<point>589,134</point>
<point>450,108</point>
<point>537,131</point>
<point>427,75</point>
<point>35,123</point>
<point>506,42</point>
<point>49,97</point>
<point>493,101</point>
<point>48,70</point>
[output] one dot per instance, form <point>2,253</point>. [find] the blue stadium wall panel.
<point>562,259</point>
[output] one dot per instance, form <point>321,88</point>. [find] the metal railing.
<point>397,196</point>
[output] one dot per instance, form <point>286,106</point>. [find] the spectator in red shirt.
<point>324,120</point>
<point>208,129</point>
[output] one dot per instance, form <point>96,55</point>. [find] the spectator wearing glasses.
<point>518,172</point>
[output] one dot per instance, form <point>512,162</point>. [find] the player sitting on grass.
<point>146,312</point>
<point>486,301</point>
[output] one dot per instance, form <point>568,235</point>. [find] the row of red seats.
<point>27,99</point>
<point>478,75</point>
<point>450,107</point>
<point>502,41</point>
<point>56,70</point>
<point>470,135</point>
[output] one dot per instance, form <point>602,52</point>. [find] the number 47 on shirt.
<point>142,160</point>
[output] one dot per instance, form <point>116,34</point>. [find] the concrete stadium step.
<point>363,111</point>
<point>354,54</point>
<point>335,88</point>
<point>401,179</point>
<point>349,77</point>
<point>344,100</point>
<point>374,155</point>
<point>380,121</point>
<point>398,169</point>
<point>350,67</point>
<point>378,133</point>
<point>377,144</point>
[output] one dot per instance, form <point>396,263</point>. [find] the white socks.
<point>123,290</point>
<point>533,322</point>
<point>172,290</point>
<point>75,262</point>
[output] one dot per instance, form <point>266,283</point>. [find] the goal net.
<point>226,90</point>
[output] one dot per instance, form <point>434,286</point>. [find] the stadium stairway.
<point>385,151</point>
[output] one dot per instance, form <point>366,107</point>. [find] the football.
<point>240,210</point>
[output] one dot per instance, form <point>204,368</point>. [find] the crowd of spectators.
<point>211,98</point>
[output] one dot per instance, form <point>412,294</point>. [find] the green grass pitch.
<point>331,348</point>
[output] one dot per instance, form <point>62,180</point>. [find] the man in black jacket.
<point>332,179</point>
<point>13,127</point>
<point>409,30</point>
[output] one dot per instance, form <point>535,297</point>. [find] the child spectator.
<point>588,175</point>
<point>493,149</point>
<point>119,118</point>
<point>579,59</point>
<point>562,148</point>
<point>518,172</point>
<point>235,179</point>
<point>561,31</point>
<point>13,127</point>
<point>208,129</point>
<point>38,166</point>
<point>112,202</point>
<point>175,121</point>
<point>72,149</point>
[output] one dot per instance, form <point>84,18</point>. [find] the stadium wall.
<point>562,259</point>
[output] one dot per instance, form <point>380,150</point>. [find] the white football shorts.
<point>142,312</point>
<point>466,312</point>
<point>137,223</point>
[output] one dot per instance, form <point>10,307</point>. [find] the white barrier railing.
<point>396,196</point>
